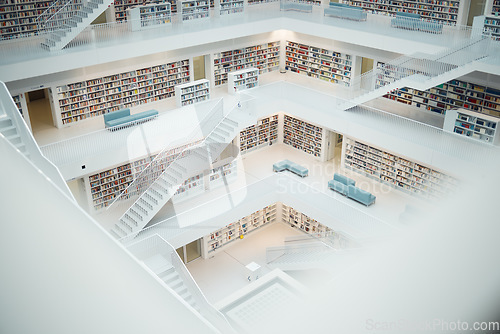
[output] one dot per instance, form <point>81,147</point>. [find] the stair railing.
<point>162,161</point>
<point>474,49</point>
<point>9,108</point>
<point>58,14</point>
<point>156,245</point>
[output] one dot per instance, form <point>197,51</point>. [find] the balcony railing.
<point>23,47</point>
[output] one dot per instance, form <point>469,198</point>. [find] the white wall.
<point>62,273</point>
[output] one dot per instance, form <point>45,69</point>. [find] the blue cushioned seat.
<point>340,183</point>
<point>363,197</point>
<point>345,11</point>
<point>290,166</point>
<point>123,117</point>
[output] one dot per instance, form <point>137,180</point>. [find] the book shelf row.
<point>192,92</point>
<point>231,6</point>
<point>260,134</point>
<point>19,17</point>
<point>451,95</point>
<point>400,173</point>
<point>98,96</point>
<point>318,63</point>
<point>473,125</point>
<point>222,175</point>
<point>194,9</point>
<point>492,24</point>
<point>302,222</point>
<point>242,80</point>
<point>148,16</point>
<point>18,100</point>
<point>302,135</point>
<point>445,12</point>
<point>264,57</point>
<point>238,229</point>
<point>121,6</point>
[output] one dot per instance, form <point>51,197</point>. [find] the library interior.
<point>224,166</point>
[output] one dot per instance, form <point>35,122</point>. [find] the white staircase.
<point>191,162</point>
<point>64,20</point>
<point>419,73</point>
<point>172,278</point>
<point>9,131</point>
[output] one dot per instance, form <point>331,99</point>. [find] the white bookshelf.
<point>97,96</point>
<point>242,80</point>
<point>231,7</point>
<point>222,175</point>
<point>303,136</point>
<point>118,12</point>
<point>319,63</point>
<point>194,9</point>
<point>148,16</point>
<point>264,57</point>
<point>446,12</point>
<point>298,220</point>
<point>21,105</point>
<point>19,16</point>
<point>237,230</point>
<point>261,134</point>
<point>401,173</point>
<point>192,92</point>
<point>473,125</point>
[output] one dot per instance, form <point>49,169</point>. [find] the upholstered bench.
<point>297,6</point>
<point>122,118</point>
<point>345,11</point>
<point>406,20</point>
<point>292,167</point>
<point>340,183</point>
<point>359,195</point>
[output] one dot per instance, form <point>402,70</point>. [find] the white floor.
<point>225,272</point>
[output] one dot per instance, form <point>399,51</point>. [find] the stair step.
<point>171,278</point>
<point>221,131</point>
<point>159,188</point>
<point>176,284</point>
<point>8,130</point>
<point>135,214</point>
<point>130,220</point>
<point>178,165</point>
<point>125,225</point>
<point>146,203</point>
<point>217,137</point>
<point>169,272</point>
<point>226,127</point>
<point>140,208</point>
<point>119,231</point>
<point>165,183</point>
<point>171,178</point>
<point>229,122</point>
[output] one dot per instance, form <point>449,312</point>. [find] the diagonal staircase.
<point>191,162</point>
<point>420,73</point>
<point>172,278</point>
<point>65,19</point>
<point>9,131</point>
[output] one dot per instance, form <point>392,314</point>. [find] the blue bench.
<point>346,187</point>
<point>301,7</point>
<point>411,21</point>
<point>361,196</point>
<point>340,183</point>
<point>122,118</point>
<point>292,167</point>
<point>345,11</point>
